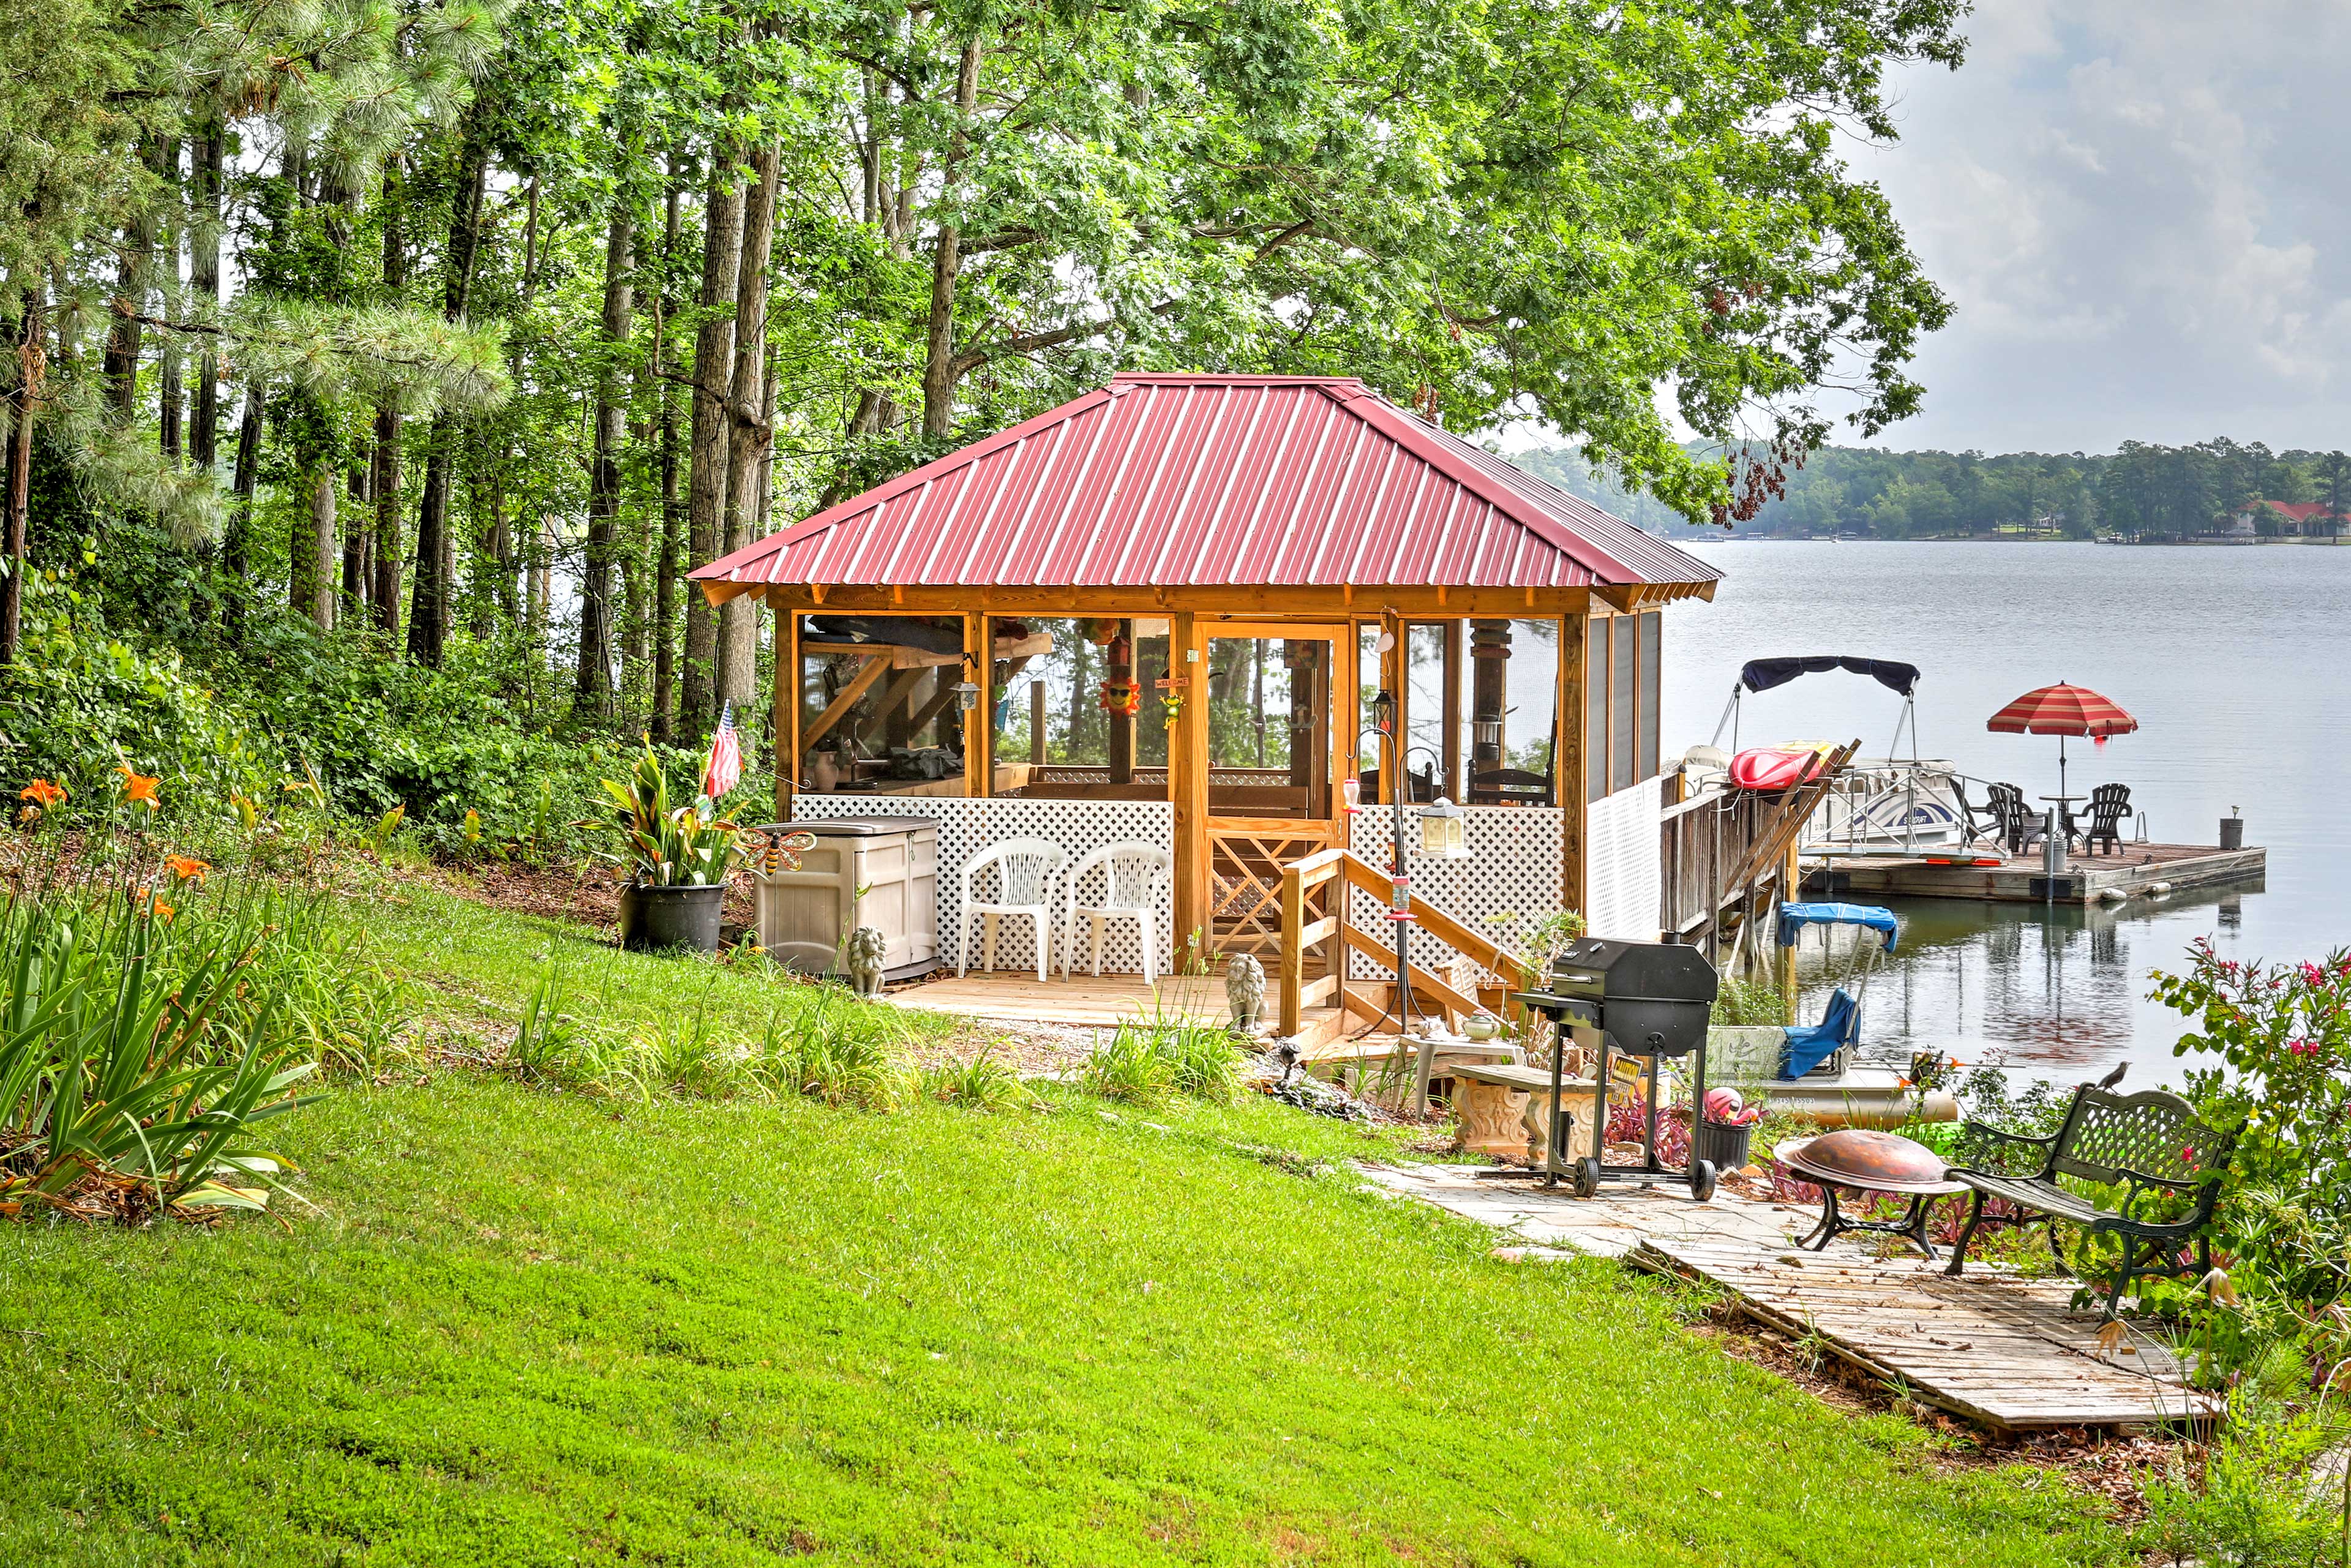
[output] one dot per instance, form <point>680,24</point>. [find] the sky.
<point>2142,212</point>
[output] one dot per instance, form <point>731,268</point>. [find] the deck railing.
<point>1314,915</point>
<point>1730,847</point>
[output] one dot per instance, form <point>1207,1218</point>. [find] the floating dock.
<point>2134,872</point>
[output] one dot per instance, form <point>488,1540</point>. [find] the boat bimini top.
<point>1839,1030</point>
<point>1763,675</point>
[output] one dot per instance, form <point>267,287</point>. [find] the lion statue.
<point>1244,991</point>
<point>867,953</point>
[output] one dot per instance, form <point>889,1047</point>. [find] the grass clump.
<point>980,1082</point>
<point>838,1047</point>
<point>1146,1059</point>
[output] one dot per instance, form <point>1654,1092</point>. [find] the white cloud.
<point>2144,215</point>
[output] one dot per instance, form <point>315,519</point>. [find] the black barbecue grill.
<point>1643,999</point>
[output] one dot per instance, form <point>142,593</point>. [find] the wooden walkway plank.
<point>2003,1351</point>
<point>1992,1347</point>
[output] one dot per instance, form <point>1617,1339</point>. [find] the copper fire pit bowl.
<point>1860,1159</point>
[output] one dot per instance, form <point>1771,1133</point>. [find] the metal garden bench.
<point>2150,1144</point>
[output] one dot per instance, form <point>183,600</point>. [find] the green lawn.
<point>530,1327</point>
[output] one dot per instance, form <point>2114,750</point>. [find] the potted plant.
<point>678,859</point>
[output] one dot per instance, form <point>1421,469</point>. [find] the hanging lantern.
<point>968,694</point>
<point>1384,707</point>
<point>1443,834</point>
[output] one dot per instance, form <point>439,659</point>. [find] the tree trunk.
<point>170,395</point>
<point>383,591</point>
<point>430,598</point>
<point>739,618</point>
<point>593,687</point>
<point>664,630</point>
<point>23,402</point>
<point>947,265</point>
<point>237,548</point>
<point>120,369</point>
<point>714,349</point>
<point>355,533</point>
<point>314,550</point>
<point>205,280</point>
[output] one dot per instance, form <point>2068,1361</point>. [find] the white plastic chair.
<point>1026,871</point>
<point>1134,874</point>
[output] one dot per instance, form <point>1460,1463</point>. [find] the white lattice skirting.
<point>1512,879</point>
<point>969,826</point>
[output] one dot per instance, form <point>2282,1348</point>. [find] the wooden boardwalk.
<point>1992,1347</point>
<point>2021,878</point>
<point>1998,1350</point>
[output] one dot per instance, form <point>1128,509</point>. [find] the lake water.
<point>2237,663</point>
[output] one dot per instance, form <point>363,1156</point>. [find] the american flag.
<point>725,770</point>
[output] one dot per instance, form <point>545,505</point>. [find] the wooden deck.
<point>1087,1001</point>
<point>2020,878</point>
<point>1992,1347</point>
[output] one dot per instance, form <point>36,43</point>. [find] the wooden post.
<point>1122,726</point>
<point>979,668</point>
<point>1037,724</point>
<point>1187,783</point>
<point>1786,967</point>
<point>1454,783</point>
<point>1489,683</point>
<point>787,721</point>
<point>1567,752</point>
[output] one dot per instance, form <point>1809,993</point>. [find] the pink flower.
<point>2312,975</point>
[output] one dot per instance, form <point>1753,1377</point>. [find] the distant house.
<point>2288,518</point>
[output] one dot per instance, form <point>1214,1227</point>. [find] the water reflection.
<point>2056,990</point>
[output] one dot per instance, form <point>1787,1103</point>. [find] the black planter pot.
<point>1726,1146</point>
<point>656,918</point>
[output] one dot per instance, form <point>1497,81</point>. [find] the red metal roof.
<point>1210,480</point>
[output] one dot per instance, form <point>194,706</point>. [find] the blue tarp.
<point>1794,917</point>
<point>1807,1048</point>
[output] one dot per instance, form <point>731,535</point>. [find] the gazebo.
<point>1168,610</point>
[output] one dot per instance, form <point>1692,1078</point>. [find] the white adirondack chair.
<point>1026,873</point>
<point>1134,874</point>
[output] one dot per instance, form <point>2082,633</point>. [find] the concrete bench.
<point>1501,1108</point>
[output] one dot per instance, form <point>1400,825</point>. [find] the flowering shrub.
<point>2282,1033</point>
<point>2282,1036</point>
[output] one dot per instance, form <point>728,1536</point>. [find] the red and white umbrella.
<point>2063,710</point>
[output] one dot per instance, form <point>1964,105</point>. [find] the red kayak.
<point>1775,767</point>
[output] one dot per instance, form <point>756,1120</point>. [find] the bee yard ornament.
<point>1244,991</point>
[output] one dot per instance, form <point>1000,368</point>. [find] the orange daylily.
<point>140,786</point>
<point>42,793</point>
<point>163,910</point>
<point>186,868</point>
